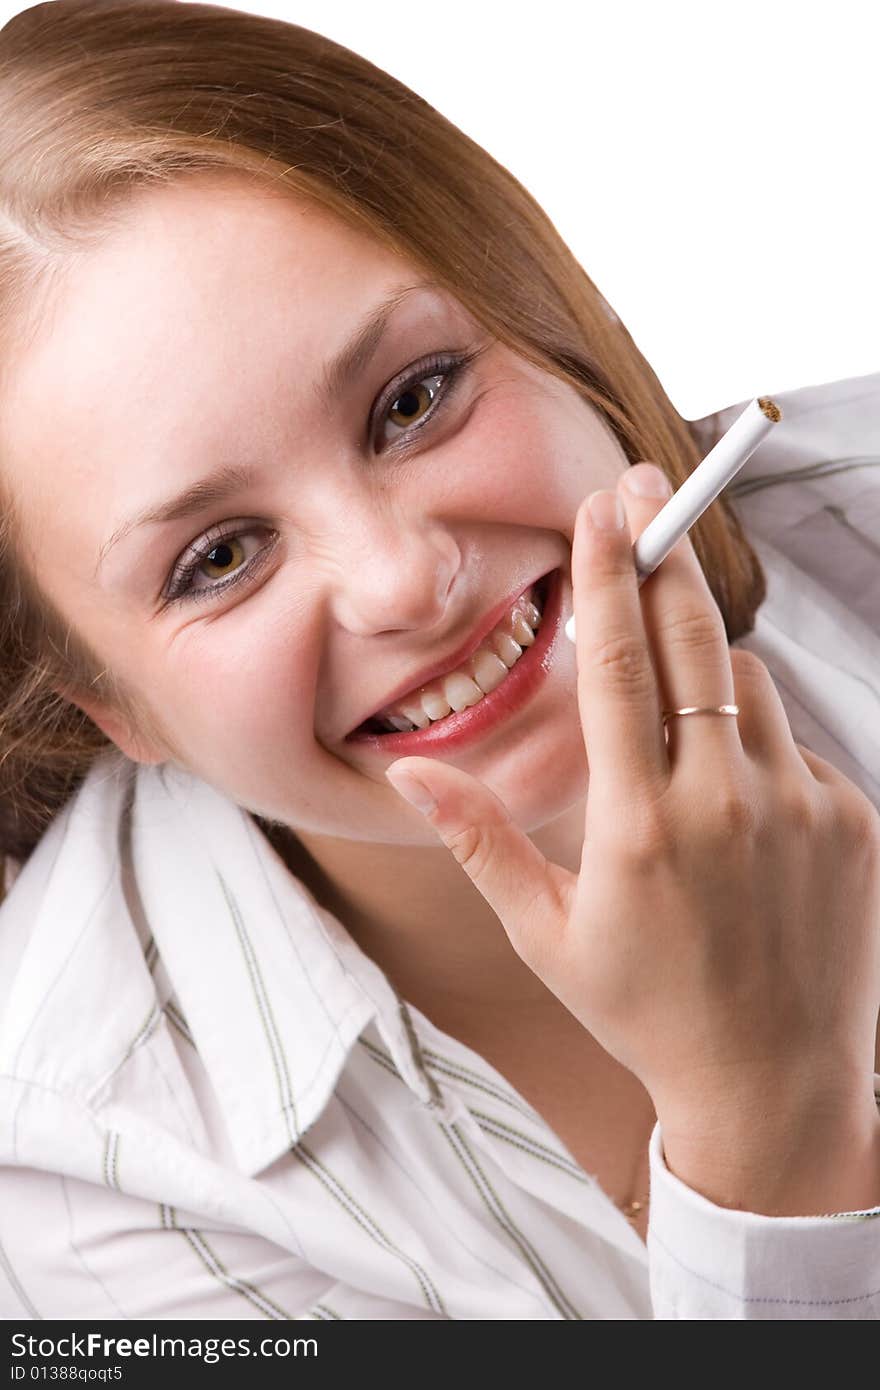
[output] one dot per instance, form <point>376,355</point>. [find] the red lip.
<point>458,730</point>
<point>461,654</point>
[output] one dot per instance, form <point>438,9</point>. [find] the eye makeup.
<point>447,368</point>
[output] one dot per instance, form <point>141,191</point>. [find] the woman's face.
<point>365,543</point>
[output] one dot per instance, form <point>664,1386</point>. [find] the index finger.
<point>618,694</point>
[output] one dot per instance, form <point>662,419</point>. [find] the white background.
<point>712,165</point>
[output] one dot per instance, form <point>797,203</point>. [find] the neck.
<point>418,916</point>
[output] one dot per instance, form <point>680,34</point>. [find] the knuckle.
<point>863,819</point>
<point>734,809</point>
<point>621,659</point>
<point>474,845</point>
<point>795,810</point>
<point>470,848</point>
<point>696,630</point>
<point>647,834</point>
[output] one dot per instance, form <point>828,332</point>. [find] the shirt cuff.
<point>707,1261</point>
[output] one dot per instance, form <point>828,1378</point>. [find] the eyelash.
<point>450,367</point>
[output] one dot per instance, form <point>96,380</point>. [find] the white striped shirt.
<point>214,1105</point>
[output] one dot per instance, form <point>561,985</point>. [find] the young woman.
<point>302,397</point>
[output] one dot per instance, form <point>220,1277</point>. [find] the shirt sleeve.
<point>706,1261</point>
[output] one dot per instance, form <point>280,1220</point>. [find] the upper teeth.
<point>485,669</point>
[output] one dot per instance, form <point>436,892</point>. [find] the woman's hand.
<point>722,937</point>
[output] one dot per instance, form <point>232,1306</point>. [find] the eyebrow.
<point>223,482</point>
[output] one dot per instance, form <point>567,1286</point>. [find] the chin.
<point>543,800</point>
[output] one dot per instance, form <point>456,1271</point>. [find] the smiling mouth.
<point>470,683</point>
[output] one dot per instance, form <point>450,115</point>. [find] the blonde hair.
<point>99,99</point>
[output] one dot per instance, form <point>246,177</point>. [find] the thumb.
<point>527,892</point>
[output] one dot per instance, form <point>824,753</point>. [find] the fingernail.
<point>606,510</point>
<point>411,789</point>
<point>647,480</point>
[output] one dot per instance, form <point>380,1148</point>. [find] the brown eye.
<point>221,557</point>
<point>412,402</point>
<point>223,554</point>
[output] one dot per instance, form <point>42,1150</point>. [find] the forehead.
<point>214,252</point>
<point>215,288</point>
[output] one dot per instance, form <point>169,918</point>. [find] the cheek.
<point>246,695</point>
<point>532,461</point>
<point>248,671</point>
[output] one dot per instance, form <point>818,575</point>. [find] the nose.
<point>398,578</point>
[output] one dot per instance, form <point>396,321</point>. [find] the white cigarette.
<point>700,488</point>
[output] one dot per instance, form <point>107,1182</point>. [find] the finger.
<point>764,726</point>
<point>529,894</point>
<point>618,697</point>
<point>763,723</point>
<point>688,639</point>
<point>822,770</point>
<point>826,773</point>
